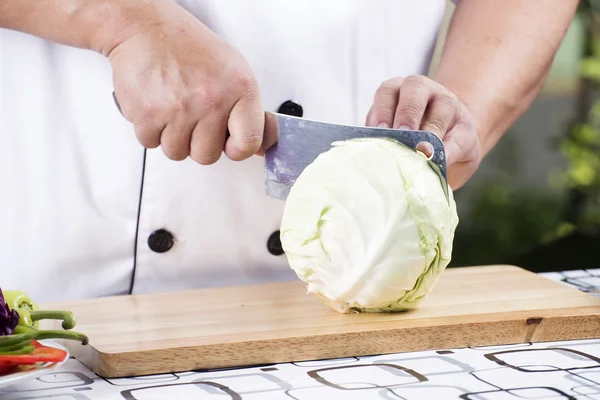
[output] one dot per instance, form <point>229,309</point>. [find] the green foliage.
<point>582,152</point>
<point>506,224</point>
<point>581,145</point>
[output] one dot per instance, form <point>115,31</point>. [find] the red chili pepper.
<point>7,369</point>
<point>40,354</point>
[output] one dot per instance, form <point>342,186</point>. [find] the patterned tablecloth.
<point>558,370</point>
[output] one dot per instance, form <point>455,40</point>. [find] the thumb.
<point>246,125</point>
<point>453,149</point>
<point>461,145</point>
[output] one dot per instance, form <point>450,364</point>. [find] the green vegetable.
<point>10,340</point>
<point>25,349</point>
<point>52,334</point>
<point>30,315</point>
<point>18,300</point>
<point>368,227</point>
<point>14,342</point>
<point>32,318</point>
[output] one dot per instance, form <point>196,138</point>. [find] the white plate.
<point>42,369</point>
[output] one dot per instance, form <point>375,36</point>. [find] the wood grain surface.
<point>278,322</point>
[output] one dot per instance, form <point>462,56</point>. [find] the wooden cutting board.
<point>279,322</point>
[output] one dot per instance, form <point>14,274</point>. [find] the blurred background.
<point>535,201</point>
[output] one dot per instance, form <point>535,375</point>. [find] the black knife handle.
<point>117,102</point>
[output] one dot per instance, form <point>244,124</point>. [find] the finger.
<point>148,135</point>
<point>246,126</point>
<point>149,118</point>
<point>440,114</point>
<point>270,133</point>
<point>461,144</point>
<point>453,147</point>
<point>414,96</point>
<point>460,172</point>
<point>385,103</point>
<point>148,131</point>
<point>208,139</point>
<point>175,138</point>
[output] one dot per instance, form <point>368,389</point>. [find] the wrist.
<point>120,20</point>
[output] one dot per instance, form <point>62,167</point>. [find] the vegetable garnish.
<point>29,315</point>
<point>20,334</point>
<point>8,318</point>
<point>39,353</point>
<point>20,301</point>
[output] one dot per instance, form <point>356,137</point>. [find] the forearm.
<point>497,56</point>
<point>98,25</point>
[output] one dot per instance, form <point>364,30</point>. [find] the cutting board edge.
<point>504,332</point>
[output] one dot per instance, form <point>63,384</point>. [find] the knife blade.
<point>300,141</point>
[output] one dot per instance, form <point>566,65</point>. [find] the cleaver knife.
<point>300,141</point>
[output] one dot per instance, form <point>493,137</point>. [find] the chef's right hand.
<point>182,88</point>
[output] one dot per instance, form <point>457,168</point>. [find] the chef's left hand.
<point>419,103</point>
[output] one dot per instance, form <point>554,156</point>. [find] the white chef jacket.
<point>81,201</point>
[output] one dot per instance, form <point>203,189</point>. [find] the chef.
<point>96,203</point>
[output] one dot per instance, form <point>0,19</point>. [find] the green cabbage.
<point>368,226</point>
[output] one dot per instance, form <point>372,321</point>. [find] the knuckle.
<point>452,97</point>
<point>387,87</point>
<point>150,111</point>
<point>249,141</point>
<point>450,102</point>
<point>159,112</point>
<point>177,104</point>
<point>436,124</point>
<point>209,97</point>
<point>244,146</point>
<point>246,82</point>
<point>386,98</point>
<point>409,111</point>
<point>182,104</point>
<point>418,81</point>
